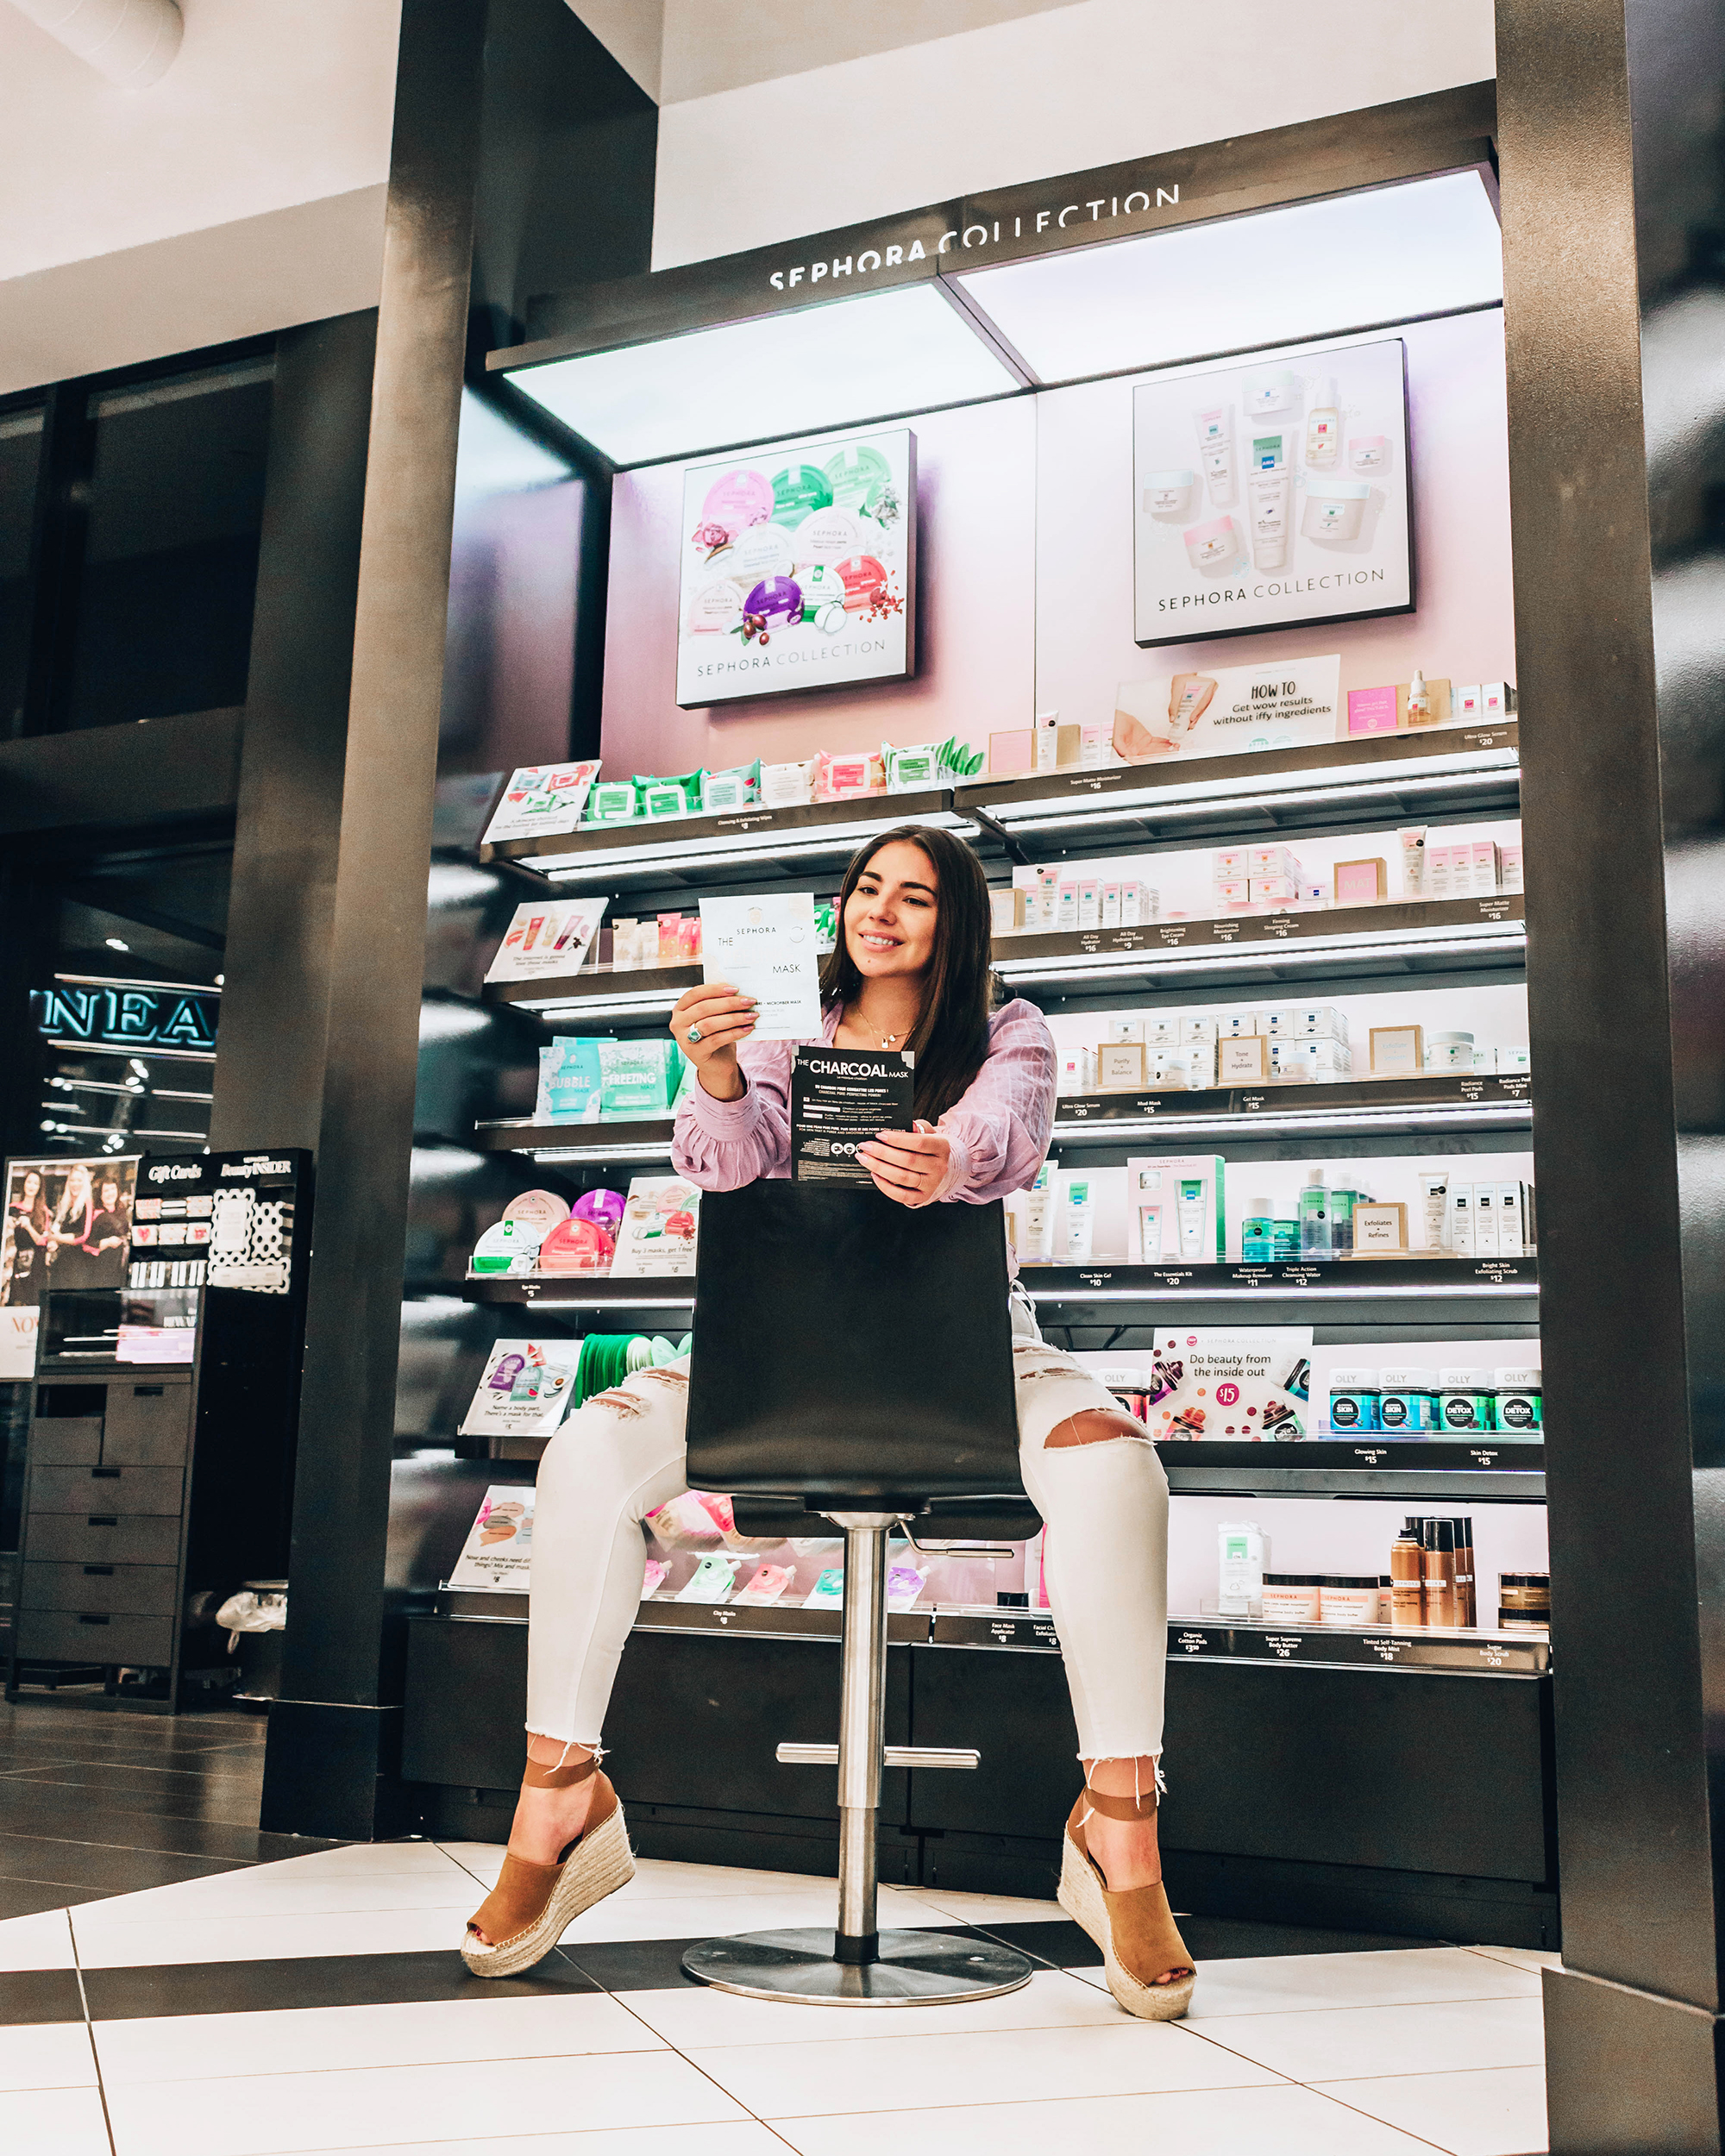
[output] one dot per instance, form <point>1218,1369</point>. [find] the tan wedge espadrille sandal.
<point>528,1910</point>
<point>1135,1928</point>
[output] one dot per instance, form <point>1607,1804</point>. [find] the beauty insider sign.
<point>797,568</point>
<point>1273,495</point>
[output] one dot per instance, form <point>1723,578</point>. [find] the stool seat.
<point>851,1367</point>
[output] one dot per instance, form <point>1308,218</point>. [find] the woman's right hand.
<point>722,1017</point>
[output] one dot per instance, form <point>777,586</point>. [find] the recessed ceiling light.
<point>876,357</point>
<point>115,943</point>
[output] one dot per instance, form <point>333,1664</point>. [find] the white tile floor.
<point>1369,2054</point>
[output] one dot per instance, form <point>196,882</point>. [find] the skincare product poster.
<point>525,1392</point>
<point>656,1237</point>
<point>797,568</point>
<point>498,1550</point>
<point>1272,494</point>
<point>548,935</point>
<point>765,948</point>
<point>1229,709</point>
<point>1248,1385</point>
<point>541,800</point>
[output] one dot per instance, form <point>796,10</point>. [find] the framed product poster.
<point>1272,494</point>
<point>797,568</point>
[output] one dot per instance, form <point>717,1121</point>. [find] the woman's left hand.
<point>909,1166</point>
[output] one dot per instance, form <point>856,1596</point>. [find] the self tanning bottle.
<point>1407,1570</point>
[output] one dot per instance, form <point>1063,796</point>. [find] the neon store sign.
<point>125,1018</point>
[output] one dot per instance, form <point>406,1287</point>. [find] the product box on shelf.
<point>1177,1208</point>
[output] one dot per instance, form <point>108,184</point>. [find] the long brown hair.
<point>950,1038</point>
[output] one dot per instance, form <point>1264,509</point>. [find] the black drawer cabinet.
<point>103,1539</point>
<point>125,1491</point>
<point>101,1577</point>
<point>100,1636</point>
<point>136,1590</point>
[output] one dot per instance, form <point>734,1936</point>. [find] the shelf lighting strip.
<point>645,1003</point>
<point>133,1048</point>
<point>1200,795</point>
<point>1473,1290</point>
<point>1114,965</point>
<point>650,1149</point>
<point>633,1302</point>
<point>744,847</point>
<point>1471,1113</point>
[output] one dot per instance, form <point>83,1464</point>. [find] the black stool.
<point>853,1359</point>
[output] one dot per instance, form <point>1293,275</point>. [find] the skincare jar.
<point>1407,1402</point>
<point>1516,1409</point>
<point>1348,1599</point>
<point>1354,1401</point>
<point>1267,393</point>
<point>1334,509</point>
<point>1450,1051</point>
<point>1291,1598</point>
<point>1369,453</point>
<point>1212,546</point>
<point>1168,493</point>
<point>1464,1401</point>
<point>1524,1601</point>
<point>510,1246</point>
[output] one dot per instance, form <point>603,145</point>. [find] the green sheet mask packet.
<point>732,789</point>
<point>637,1078</point>
<point>670,797</point>
<point>857,477</point>
<point>912,770</point>
<point>614,801</point>
<point>828,1591</point>
<point>570,1082</point>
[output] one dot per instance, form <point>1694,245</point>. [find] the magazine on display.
<point>657,1237</point>
<point>525,1390</point>
<point>497,1553</point>
<point>542,800</point>
<point>548,935</point>
<point>841,1098</point>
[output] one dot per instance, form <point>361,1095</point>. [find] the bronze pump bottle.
<point>1407,1600</point>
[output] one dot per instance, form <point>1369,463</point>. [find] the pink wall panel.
<point>976,546</point>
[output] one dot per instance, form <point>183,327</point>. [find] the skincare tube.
<point>1214,429</point>
<point>1038,1218</point>
<point>1267,493</point>
<point>1191,1216</point>
<point>1081,1220</point>
<point>1412,861</point>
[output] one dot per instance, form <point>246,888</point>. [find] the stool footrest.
<point>789,1755</point>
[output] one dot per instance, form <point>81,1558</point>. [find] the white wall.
<point>241,192</point>
<point>1053,91</point>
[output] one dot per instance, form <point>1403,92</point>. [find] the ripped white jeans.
<point>1105,1504</point>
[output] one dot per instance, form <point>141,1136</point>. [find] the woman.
<point>911,970</point>
<point>75,1265</point>
<point>32,1242</point>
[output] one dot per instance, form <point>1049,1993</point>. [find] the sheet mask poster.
<point>525,1390</point>
<point>1228,711</point>
<point>541,800</point>
<point>797,568</point>
<point>1272,495</point>
<point>498,1550</point>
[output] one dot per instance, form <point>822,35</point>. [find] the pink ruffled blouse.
<point>998,1128</point>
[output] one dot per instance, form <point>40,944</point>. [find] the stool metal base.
<point>914,1969</point>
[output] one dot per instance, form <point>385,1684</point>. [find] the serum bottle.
<point>1324,430</point>
<point>1314,1216</point>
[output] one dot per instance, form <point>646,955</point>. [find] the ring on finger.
<point>694,1032</point>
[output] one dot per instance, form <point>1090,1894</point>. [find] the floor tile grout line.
<point>90,2038</point>
<point>1425,2139</point>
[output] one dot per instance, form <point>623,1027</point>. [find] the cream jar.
<point>1349,1599</point>
<point>1334,509</point>
<point>1291,1598</point>
<point>1212,546</point>
<point>1168,493</point>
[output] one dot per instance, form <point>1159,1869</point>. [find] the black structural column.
<point>275,1003</point>
<point>1615,312</point>
<point>334,1735</point>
